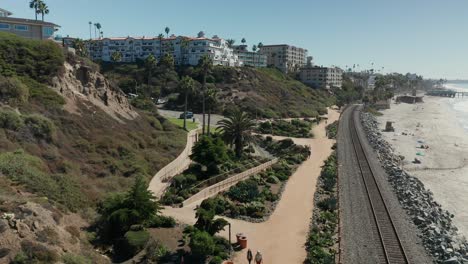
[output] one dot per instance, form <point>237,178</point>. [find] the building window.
<point>47,31</point>
<point>21,27</point>
<point>4,26</point>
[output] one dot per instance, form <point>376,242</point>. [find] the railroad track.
<point>393,251</point>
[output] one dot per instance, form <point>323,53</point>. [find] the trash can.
<point>239,235</point>
<point>243,242</point>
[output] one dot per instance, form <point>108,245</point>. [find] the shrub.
<point>162,221</point>
<point>13,90</point>
<point>10,120</point>
<point>156,252</point>
<point>69,258</point>
<point>30,171</point>
<point>244,191</point>
<point>328,204</point>
<point>216,260</point>
<point>42,94</point>
<point>48,235</point>
<point>38,252</point>
<point>40,60</point>
<point>201,244</point>
<point>135,241</point>
<point>40,126</point>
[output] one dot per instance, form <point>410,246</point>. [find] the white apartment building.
<point>185,50</point>
<point>250,58</point>
<point>322,77</point>
<point>285,57</point>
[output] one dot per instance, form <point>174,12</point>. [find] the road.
<point>360,242</point>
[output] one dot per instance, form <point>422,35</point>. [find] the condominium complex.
<point>250,58</point>
<point>185,50</point>
<point>285,57</point>
<point>33,29</point>
<point>321,77</point>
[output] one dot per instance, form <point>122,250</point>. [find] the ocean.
<point>460,105</point>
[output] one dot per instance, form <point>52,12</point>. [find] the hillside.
<point>68,137</point>
<point>263,92</point>
<point>269,93</point>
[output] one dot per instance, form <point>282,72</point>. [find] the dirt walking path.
<point>282,238</point>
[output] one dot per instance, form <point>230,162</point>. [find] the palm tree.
<point>160,37</point>
<point>205,64</point>
<point>116,56</point>
<point>211,94</point>
<point>186,85</point>
<point>42,9</point>
<point>80,47</point>
<point>243,41</point>
<point>98,26</point>
<point>150,65</point>
<point>90,34</point>
<point>236,129</point>
<point>254,49</point>
<point>95,30</point>
<point>167,30</point>
<point>230,42</point>
<point>184,44</point>
<point>34,4</point>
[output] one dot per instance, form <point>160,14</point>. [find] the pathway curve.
<point>281,238</point>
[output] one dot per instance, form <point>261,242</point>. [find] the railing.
<point>159,182</point>
<point>223,185</point>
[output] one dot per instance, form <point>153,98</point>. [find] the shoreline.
<point>444,165</point>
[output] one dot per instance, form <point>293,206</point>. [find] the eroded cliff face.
<point>82,83</point>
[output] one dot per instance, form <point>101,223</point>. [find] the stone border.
<point>439,235</point>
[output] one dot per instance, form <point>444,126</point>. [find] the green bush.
<point>10,120</point>
<point>135,241</point>
<point>216,260</point>
<point>328,204</point>
<point>30,171</point>
<point>244,191</point>
<point>69,258</point>
<point>40,126</point>
<point>42,94</point>
<point>13,90</point>
<point>162,221</point>
<point>40,60</point>
<point>35,252</point>
<point>201,245</point>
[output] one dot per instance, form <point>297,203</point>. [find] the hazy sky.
<point>429,37</point>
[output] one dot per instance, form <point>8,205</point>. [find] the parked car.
<point>188,115</point>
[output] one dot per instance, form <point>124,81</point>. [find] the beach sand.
<point>443,168</point>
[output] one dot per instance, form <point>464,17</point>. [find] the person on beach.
<point>258,258</point>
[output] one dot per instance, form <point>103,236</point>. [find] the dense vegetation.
<point>124,218</point>
<point>294,128</point>
<point>260,92</point>
<point>214,162</point>
<point>92,151</point>
<point>255,197</point>
<point>321,244</point>
<point>332,130</point>
<point>70,162</point>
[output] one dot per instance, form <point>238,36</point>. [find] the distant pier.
<point>447,93</point>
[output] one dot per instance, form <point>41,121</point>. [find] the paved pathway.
<point>282,238</point>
